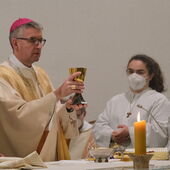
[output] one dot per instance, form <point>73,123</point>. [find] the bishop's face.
<point>28,47</point>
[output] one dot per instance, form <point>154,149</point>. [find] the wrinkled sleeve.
<point>102,130</point>
<point>68,121</point>
<point>22,123</point>
<point>155,136</point>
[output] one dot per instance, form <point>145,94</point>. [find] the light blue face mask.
<point>136,82</point>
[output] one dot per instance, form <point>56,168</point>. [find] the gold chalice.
<point>78,98</point>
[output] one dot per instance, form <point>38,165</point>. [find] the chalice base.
<point>78,99</point>
<point>140,161</point>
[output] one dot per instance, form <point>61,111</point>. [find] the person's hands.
<point>69,86</point>
<point>75,107</point>
<point>80,111</point>
<point>121,135</point>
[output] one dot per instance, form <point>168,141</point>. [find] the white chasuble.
<point>27,104</point>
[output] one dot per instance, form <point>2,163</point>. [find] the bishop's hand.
<point>76,107</point>
<point>69,87</point>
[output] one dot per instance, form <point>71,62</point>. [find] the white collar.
<point>28,72</point>
<point>18,64</point>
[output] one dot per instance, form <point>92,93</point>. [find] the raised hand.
<point>69,86</point>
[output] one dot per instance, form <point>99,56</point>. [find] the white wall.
<point>98,34</point>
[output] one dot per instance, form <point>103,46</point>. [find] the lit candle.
<point>140,136</point>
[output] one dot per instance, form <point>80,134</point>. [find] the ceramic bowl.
<point>101,152</point>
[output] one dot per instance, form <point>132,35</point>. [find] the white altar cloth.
<point>111,165</point>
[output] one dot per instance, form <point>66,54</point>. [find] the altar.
<point>114,164</point>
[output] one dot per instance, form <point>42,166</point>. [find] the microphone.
<point>163,130</point>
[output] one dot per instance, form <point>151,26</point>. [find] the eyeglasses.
<point>34,40</point>
<point>131,71</point>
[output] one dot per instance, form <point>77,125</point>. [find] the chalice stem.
<point>78,98</point>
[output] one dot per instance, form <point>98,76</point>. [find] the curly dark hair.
<point>157,82</point>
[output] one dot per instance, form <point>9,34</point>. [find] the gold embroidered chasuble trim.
<point>63,152</point>
<point>28,92</point>
<point>25,87</point>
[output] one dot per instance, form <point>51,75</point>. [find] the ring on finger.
<point>73,87</point>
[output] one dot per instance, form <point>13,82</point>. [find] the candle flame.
<point>138,117</point>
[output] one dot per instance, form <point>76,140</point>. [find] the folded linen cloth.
<point>31,161</point>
